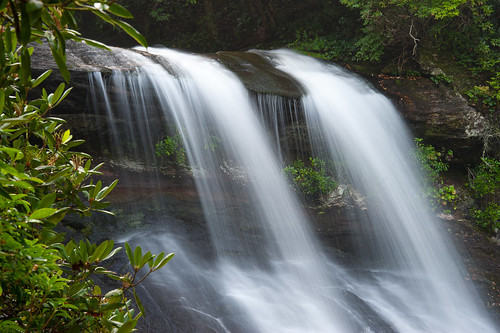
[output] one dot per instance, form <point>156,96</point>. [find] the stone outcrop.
<point>439,115</point>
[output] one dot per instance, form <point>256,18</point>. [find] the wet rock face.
<point>439,115</point>
<point>81,57</point>
<point>258,75</point>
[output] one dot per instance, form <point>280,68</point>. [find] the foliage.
<point>484,184</point>
<point>46,285</point>
<point>311,181</point>
<point>489,217</point>
<point>484,96</point>
<point>433,164</point>
<point>328,48</point>
<point>440,78</point>
<point>430,160</point>
<point>470,30</point>
<point>397,23</point>
<point>171,148</point>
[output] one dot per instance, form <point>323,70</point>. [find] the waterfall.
<point>269,272</point>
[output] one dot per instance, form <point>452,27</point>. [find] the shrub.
<point>171,148</point>
<point>432,163</point>
<point>46,284</point>
<point>484,184</point>
<point>311,181</point>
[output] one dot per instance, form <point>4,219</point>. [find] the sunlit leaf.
<point>137,256</point>
<point>41,78</point>
<point>129,254</point>
<point>164,261</point>
<point>42,213</point>
<point>127,326</point>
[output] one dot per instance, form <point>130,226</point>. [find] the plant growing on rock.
<point>311,181</point>
<point>432,163</point>
<point>46,284</point>
<point>171,148</point>
<point>484,184</point>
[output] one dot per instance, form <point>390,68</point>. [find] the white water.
<point>270,274</point>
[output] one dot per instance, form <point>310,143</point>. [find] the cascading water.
<point>270,274</point>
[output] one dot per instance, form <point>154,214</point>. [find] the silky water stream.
<point>267,272</point>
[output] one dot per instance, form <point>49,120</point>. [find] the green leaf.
<point>114,294</point>
<point>111,254</point>
<point>42,213</point>
<point>106,190</point>
<point>159,258</point>
<point>132,32</point>
<point>105,17</point>
<point>63,173</point>
<point>14,154</point>
<point>63,96</point>
<point>24,185</point>
<point>34,8</point>
<point>25,72</point>
<point>110,307</point>
<point>4,194</point>
<point>75,289</point>
<point>47,200</point>
<point>118,10</point>
<point>83,249</point>
<point>34,5</point>
<point>129,254</point>
<point>74,143</point>
<point>145,259</point>
<point>66,136</point>
<point>58,216</point>
<point>41,78</point>
<point>25,25</point>
<point>7,169</point>
<point>10,40</point>
<point>53,98</point>
<point>10,326</point>
<point>68,18</point>
<point>127,326</point>
<point>94,43</point>
<point>139,303</point>
<point>137,256</point>
<point>2,63</point>
<point>164,261</point>
<point>98,252</point>
<point>60,59</point>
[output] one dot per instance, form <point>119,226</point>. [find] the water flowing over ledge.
<point>268,272</point>
<point>437,114</point>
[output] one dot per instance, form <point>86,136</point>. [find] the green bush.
<point>311,181</point>
<point>172,149</point>
<point>484,184</point>
<point>46,284</point>
<point>323,47</point>
<point>433,163</point>
<point>440,78</point>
